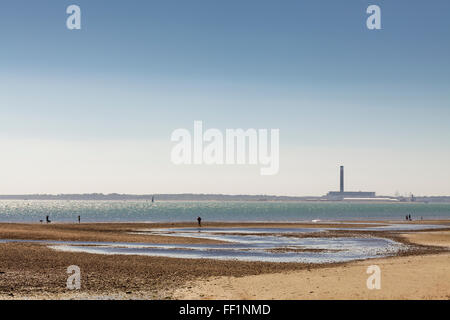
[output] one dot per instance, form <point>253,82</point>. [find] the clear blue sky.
<point>92,110</point>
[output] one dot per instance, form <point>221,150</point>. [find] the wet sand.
<point>434,238</point>
<point>33,271</point>
<point>118,232</point>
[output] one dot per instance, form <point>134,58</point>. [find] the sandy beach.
<point>416,277</point>
<point>35,271</point>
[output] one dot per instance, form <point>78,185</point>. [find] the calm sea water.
<point>146,211</point>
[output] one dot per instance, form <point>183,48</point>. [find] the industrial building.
<point>342,194</point>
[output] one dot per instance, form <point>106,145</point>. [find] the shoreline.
<point>234,222</point>
<point>33,271</point>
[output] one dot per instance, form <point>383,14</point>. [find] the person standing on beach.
<point>199,220</point>
<point>79,219</point>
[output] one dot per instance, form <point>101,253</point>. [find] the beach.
<point>34,270</point>
<point>416,277</point>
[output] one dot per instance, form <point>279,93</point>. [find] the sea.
<point>65,211</point>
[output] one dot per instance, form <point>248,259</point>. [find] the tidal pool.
<point>249,244</point>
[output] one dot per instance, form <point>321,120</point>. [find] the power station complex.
<point>341,194</point>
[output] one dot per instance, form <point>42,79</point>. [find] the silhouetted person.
<point>199,220</point>
<point>406,217</point>
<point>410,218</point>
<point>47,219</point>
<point>79,219</point>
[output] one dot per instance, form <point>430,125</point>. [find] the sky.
<point>93,110</point>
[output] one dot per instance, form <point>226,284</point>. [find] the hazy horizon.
<point>199,195</point>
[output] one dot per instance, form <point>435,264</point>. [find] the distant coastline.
<point>205,197</point>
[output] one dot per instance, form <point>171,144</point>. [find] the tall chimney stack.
<point>342,179</point>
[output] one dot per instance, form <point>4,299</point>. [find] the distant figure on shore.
<point>410,218</point>
<point>406,217</point>
<point>199,220</point>
<point>79,219</point>
<point>47,219</point>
